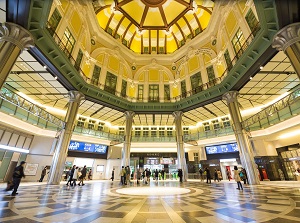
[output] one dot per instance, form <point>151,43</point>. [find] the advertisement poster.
<point>31,169</point>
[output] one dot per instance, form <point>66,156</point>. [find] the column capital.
<point>177,114</point>
<point>230,96</point>
<point>287,36</point>
<point>75,96</point>
<point>129,114</point>
<point>16,35</point>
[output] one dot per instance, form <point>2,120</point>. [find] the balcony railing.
<point>208,134</point>
<point>13,104</point>
<point>98,134</point>
<point>153,139</point>
<point>196,90</point>
<point>281,110</point>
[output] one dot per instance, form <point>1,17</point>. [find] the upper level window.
<point>96,74</point>
<point>166,92</point>
<point>101,126</point>
<point>110,83</point>
<point>252,22</point>
<point>206,126</point>
<point>238,42</point>
<point>80,122</point>
<point>196,80</point>
<point>216,124</point>
<point>121,130</point>
<point>228,60</point>
<point>210,73</point>
<point>68,41</point>
<point>123,89</point>
<point>91,124</point>
<point>78,59</point>
<point>169,132</point>
<point>183,88</point>
<point>153,92</point>
<point>140,92</point>
<point>54,21</point>
<point>226,122</point>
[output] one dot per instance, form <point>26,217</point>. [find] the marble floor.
<point>162,202</point>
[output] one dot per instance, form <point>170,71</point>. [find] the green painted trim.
<point>266,11</point>
<point>5,163</point>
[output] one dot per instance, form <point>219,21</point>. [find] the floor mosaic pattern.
<point>100,201</point>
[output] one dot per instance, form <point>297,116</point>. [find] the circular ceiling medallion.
<point>153,3</point>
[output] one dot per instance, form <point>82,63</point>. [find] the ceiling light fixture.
<point>55,77</point>
<point>45,67</point>
<point>261,67</point>
<point>251,78</point>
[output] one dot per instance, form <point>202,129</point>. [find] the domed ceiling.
<point>154,26</point>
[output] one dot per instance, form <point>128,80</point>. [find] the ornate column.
<point>13,40</point>
<point>245,147</point>
<point>179,140</point>
<point>61,151</point>
<point>127,138</point>
<point>288,40</point>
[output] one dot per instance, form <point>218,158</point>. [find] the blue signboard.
<point>87,147</point>
<point>226,148</point>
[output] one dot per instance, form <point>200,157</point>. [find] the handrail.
<point>98,133</point>
<point>274,108</point>
<point>196,90</point>
<point>30,107</point>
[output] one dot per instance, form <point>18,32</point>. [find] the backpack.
<point>241,174</point>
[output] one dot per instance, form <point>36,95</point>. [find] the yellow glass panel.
<point>141,77</point>
<point>146,34</point>
<point>193,64</point>
<point>134,9</point>
<point>100,58</point>
<point>75,22</point>
<point>173,10</point>
<point>153,75</point>
<point>136,46</point>
<point>166,77</point>
<point>204,19</point>
<point>242,5</point>
<point>86,68</point>
<point>181,22</point>
<point>113,63</point>
<point>153,34</point>
<point>64,4</point>
<point>153,18</point>
<point>174,91</point>
<point>102,19</point>
<point>206,58</point>
<point>220,69</point>
<point>131,91</point>
<point>171,46</point>
<point>230,23</point>
<point>182,73</point>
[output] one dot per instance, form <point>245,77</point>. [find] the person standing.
<point>228,174</point>
<point>83,175</point>
<point>90,174</point>
<point>216,177</point>
<point>75,176</point>
<point>156,175</point>
<point>122,172</point>
<point>180,175</point>
<point>138,176</point>
<point>112,175</point>
<point>163,174</point>
<point>43,174</point>
<point>208,177</point>
<point>237,178</point>
<point>201,174</point>
<point>17,176</point>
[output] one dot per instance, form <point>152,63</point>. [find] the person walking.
<point>75,176</point>
<point>216,176</point>
<point>201,174</point>
<point>71,172</point>
<point>90,174</point>
<point>228,174</point>
<point>43,174</point>
<point>156,175</point>
<point>180,174</point>
<point>112,174</point>
<point>122,174</point>
<point>208,177</point>
<point>83,175</point>
<point>17,176</point>
<point>237,178</point>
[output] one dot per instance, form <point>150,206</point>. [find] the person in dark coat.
<point>71,175</point>
<point>180,174</point>
<point>43,174</point>
<point>112,175</point>
<point>17,176</point>
<point>208,177</point>
<point>83,175</point>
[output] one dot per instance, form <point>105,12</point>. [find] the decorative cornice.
<point>230,96</point>
<point>287,36</point>
<point>76,96</point>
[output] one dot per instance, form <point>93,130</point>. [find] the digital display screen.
<point>87,147</point>
<point>225,148</point>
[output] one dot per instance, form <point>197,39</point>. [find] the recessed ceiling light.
<point>250,78</point>
<point>45,67</point>
<point>261,67</point>
<point>55,77</point>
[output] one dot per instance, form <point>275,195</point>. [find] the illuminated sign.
<point>87,147</point>
<point>226,148</point>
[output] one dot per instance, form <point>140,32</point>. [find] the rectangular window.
<point>226,122</point>
<point>196,81</point>
<point>146,49</point>
<point>153,92</point>
<point>228,60</point>
<point>185,131</point>
<point>101,126</point>
<point>153,132</point>
<point>140,92</point>
<point>146,132</point>
<point>252,22</point>
<point>153,49</point>
<point>96,75</point>
<point>161,50</point>
<point>78,60</point>
<point>69,42</point>
<point>238,42</point>
<point>80,122</point>
<point>121,130</point>
<point>91,124</point>
<point>206,126</point>
<point>167,92</point>
<point>137,132</point>
<point>54,21</point>
<point>123,89</point>
<point>210,73</point>
<point>124,41</point>
<point>169,132</point>
<point>216,124</point>
<point>109,30</point>
<point>183,88</point>
<point>161,132</point>
<point>110,83</point>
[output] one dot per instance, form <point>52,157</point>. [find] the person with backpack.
<point>17,176</point>
<point>237,178</point>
